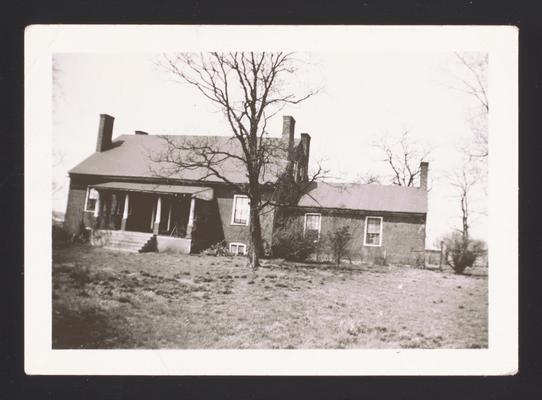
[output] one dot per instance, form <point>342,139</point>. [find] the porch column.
<point>191,218</point>
<point>125,211</point>
<point>157,215</point>
<point>169,215</point>
<point>97,206</point>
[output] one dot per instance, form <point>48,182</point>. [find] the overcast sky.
<point>363,96</point>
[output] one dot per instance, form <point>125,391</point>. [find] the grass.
<point>105,299</point>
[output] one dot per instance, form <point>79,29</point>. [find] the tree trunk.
<point>465,219</point>
<point>256,246</point>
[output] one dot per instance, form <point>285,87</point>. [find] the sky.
<point>362,98</point>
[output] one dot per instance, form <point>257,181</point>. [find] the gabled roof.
<point>372,197</point>
<point>134,156</point>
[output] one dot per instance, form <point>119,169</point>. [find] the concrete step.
<point>126,244</point>
<point>128,241</point>
<point>130,234</point>
<point>124,249</point>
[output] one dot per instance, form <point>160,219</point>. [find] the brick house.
<point>387,222</point>
<point>120,195</point>
<point>117,195</point>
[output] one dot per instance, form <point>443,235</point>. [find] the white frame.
<point>238,244</point>
<point>319,224</point>
<point>86,200</point>
<point>499,358</point>
<point>381,231</point>
<point>235,197</point>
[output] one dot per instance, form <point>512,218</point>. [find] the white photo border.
<point>501,42</point>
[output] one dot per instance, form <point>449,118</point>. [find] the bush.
<point>83,236</point>
<point>338,241</point>
<point>380,259</point>
<point>460,254</point>
<point>290,243</point>
<point>217,249</point>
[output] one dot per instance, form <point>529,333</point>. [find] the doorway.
<point>140,212</point>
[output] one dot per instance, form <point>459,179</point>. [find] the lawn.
<point>106,299</point>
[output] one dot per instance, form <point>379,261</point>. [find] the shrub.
<point>217,249</point>
<point>380,259</point>
<point>83,236</point>
<point>290,243</point>
<point>338,241</point>
<point>419,259</point>
<point>460,253</point>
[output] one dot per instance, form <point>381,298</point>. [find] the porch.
<point>165,212</point>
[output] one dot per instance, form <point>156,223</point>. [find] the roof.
<point>371,197</point>
<point>200,192</point>
<point>135,156</point>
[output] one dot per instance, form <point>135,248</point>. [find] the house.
<point>122,197</point>
<point>128,200</point>
<point>387,222</point>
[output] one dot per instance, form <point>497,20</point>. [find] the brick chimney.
<point>288,129</point>
<point>105,132</point>
<point>306,145</point>
<point>424,171</point>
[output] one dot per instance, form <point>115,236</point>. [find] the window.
<point>238,248</point>
<point>240,212</point>
<point>373,231</point>
<point>312,226</point>
<point>91,200</point>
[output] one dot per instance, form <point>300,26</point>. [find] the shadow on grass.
<point>322,266</point>
<point>88,328</point>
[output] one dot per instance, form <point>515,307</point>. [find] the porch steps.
<point>131,242</point>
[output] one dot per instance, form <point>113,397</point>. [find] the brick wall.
<point>240,233</point>
<point>76,217</point>
<point>403,235</point>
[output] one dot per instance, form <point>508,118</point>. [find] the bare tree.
<point>460,251</point>
<point>368,178</point>
<point>58,159</point>
<point>475,83</point>
<point>58,94</point>
<point>403,156</point>
<point>463,180</point>
<point>249,89</point>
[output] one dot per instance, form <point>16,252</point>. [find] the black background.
<point>14,384</point>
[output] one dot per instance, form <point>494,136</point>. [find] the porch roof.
<point>200,192</point>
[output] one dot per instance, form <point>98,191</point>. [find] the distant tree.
<point>463,181</point>
<point>403,156</point>
<point>58,94</point>
<point>249,88</point>
<point>58,158</point>
<point>475,83</point>
<point>460,250</point>
<point>57,79</point>
<point>368,179</point>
